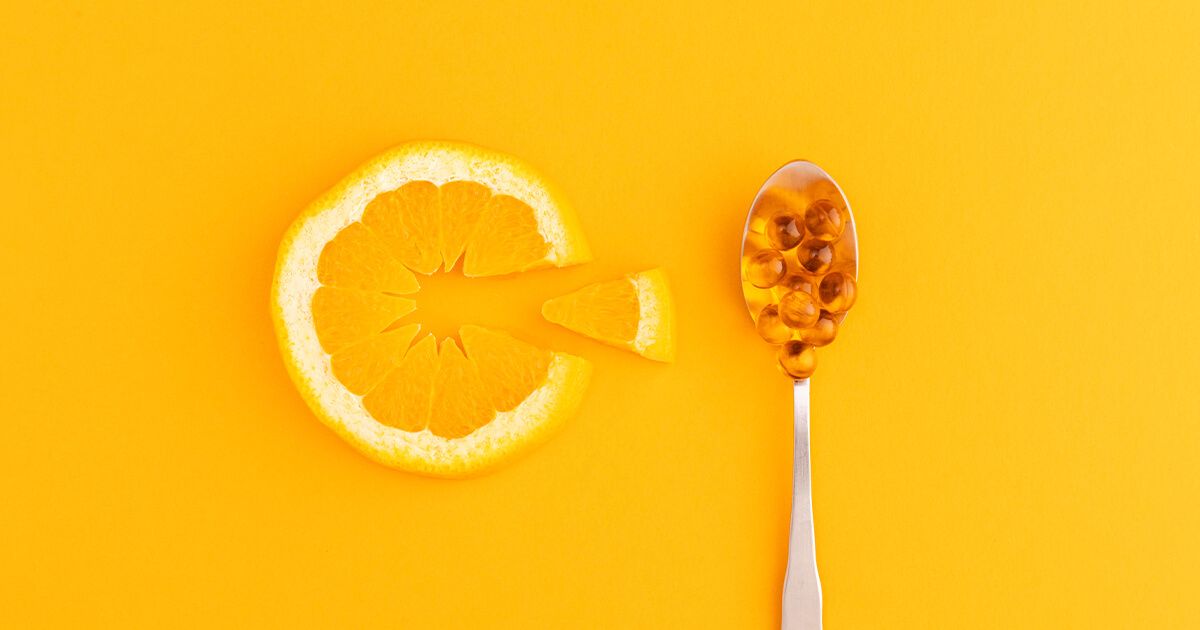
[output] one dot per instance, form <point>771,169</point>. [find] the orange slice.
<point>635,312</point>
<point>344,278</point>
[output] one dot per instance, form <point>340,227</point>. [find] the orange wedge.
<point>345,276</point>
<point>635,312</point>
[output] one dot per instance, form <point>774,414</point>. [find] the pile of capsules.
<point>798,271</point>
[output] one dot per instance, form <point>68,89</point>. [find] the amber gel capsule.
<point>825,220</point>
<point>815,256</point>
<point>798,310</point>
<point>797,359</point>
<point>766,268</point>
<point>837,292</point>
<point>771,327</point>
<point>823,332</point>
<point>785,230</point>
<point>799,282</point>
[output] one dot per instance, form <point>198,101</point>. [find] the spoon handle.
<point>801,585</point>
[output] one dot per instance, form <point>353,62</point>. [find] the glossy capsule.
<point>815,256</point>
<point>798,310</point>
<point>771,327</point>
<point>823,332</point>
<point>797,359</point>
<point>799,282</point>
<point>766,268</point>
<point>785,230</point>
<point>837,292</point>
<point>825,220</point>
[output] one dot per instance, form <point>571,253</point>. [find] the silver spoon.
<point>780,258</point>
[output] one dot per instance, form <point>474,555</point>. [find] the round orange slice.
<point>635,313</point>
<point>344,277</point>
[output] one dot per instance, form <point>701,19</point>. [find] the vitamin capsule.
<point>798,310</point>
<point>837,292</point>
<point>799,282</point>
<point>785,229</point>
<point>771,327</point>
<point>797,359</point>
<point>821,333</point>
<point>766,268</point>
<point>825,220</point>
<point>815,256</point>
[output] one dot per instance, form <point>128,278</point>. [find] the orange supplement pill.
<point>825,220</point>
<point>815,256</point>
<point>799,282</point>
<point>798,310</point>
<point>837,292</point>
<point>766,268</point>
<point>770,325</point>
<point>797,359</point>
<point>785,230</point>
<point>823,332</point>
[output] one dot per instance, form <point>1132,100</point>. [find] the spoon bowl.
<point>800,239</point>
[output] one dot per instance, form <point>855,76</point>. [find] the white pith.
<point>649,313</point>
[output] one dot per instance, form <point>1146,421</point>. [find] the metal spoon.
<point>798,184</point>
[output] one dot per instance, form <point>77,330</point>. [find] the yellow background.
<point>1005,434</point>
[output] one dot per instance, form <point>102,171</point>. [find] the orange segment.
<point>360,366</point>
<point>607,311</point>
<point>407,220</point>
<point>506,240</point>
<point>509,369</point>
<point>463,203</point>
<point>636,312</point>
<point>458,401</point>
<point>344,316</point>
<point>357,259</point>
<point>402,399</point>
